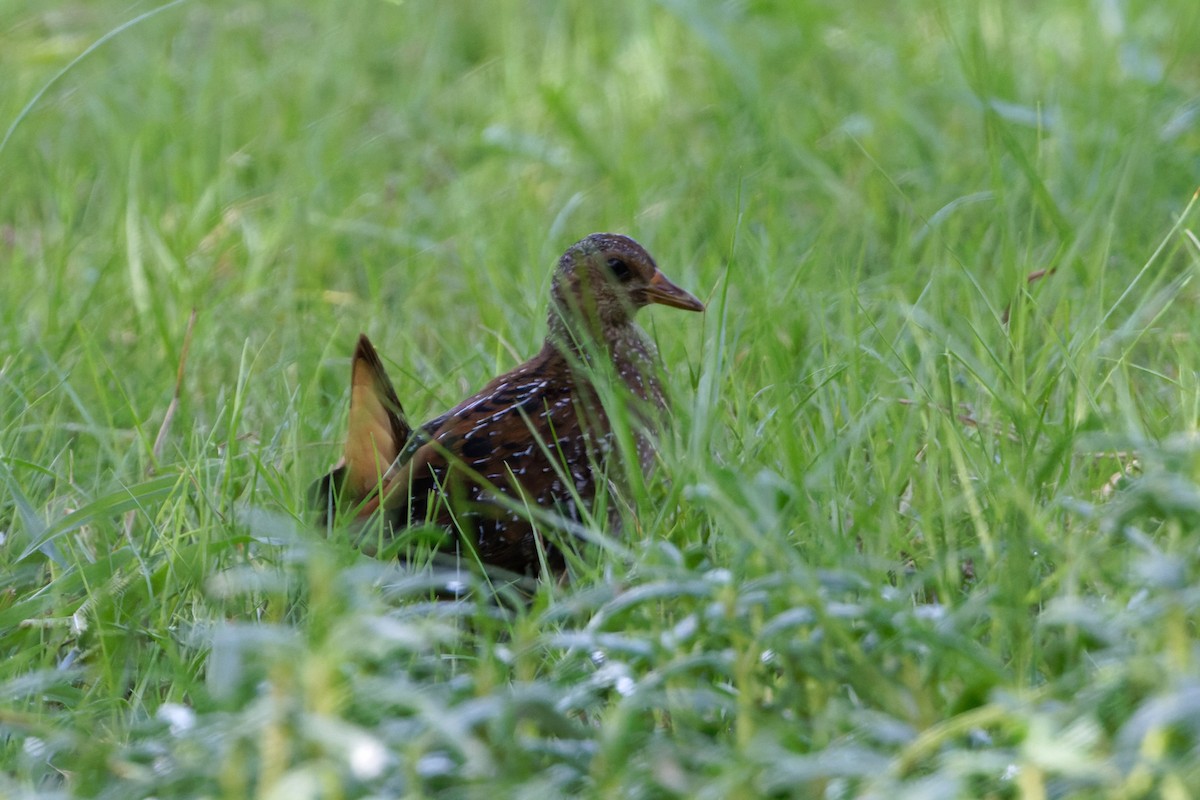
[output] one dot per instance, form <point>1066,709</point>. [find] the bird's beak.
<point>663,292</point>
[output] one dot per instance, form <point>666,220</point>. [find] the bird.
<point>538,435</point>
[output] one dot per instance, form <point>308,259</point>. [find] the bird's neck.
<point>583,338</point>
<point>624,348</point>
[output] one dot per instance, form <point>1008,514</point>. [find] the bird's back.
<point>532,438</point>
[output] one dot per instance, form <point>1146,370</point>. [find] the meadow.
<point>927,522</point>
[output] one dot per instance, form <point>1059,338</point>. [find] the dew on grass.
<point>368,757</point>
<point>179,718</point>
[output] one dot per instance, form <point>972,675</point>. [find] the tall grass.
<point>926,524</point>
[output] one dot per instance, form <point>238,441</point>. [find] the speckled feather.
<point>534,429</point>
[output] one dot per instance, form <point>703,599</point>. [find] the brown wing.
<point>520,438</point>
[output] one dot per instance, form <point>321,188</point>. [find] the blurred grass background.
<point>925,528</point>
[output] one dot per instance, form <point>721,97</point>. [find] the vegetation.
<point>928,524</point>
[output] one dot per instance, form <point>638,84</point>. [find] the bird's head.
<point>603,279</point>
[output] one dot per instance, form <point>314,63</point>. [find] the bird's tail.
<point>377,432</point>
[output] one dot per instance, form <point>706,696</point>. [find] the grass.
<point>924,528</point>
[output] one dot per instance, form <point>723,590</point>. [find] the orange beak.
<point>663,292</point>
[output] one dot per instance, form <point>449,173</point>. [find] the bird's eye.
<point>620,269</point>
